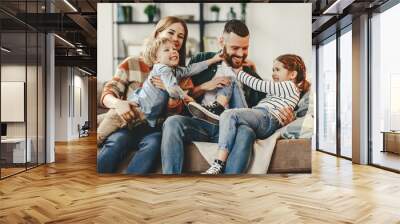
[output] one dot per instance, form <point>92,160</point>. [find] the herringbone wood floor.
<point>70,191</point>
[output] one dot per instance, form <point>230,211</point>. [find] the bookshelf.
<point>199,23</point>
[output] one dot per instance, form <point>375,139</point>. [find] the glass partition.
<point>327,96</point>
<point>346,94</point>
<point>385,89</point>
<point>22,90</point>
<point>14,152</point>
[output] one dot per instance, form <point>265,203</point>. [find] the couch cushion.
<point>303,126</point>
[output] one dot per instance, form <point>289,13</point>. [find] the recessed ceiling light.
<point>84,71</point>
<point>5,50</point>
<point>337,7</point>
<point>64,40</point>
<point>70,5</point>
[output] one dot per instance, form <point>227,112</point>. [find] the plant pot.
<point>215,16</point>
<point>150,18</point>
<point>127,13</point>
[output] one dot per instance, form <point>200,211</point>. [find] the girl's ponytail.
<point>292,62</point>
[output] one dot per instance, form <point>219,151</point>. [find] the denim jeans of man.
<point>259,120</point>
<point>178,130</point>
<point>145,140</point>
<point>237,98</point>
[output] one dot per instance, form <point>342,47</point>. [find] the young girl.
<point>149,101</point>
<point>289,81</point>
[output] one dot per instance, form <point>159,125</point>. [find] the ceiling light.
<point>84,71</point>
<point>331,7</point>
<point>70,5</point>
<point>65,41</point>
<point>5,50</point>
<point>335,7</point>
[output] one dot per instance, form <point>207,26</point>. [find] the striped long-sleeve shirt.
<point>280,95</point>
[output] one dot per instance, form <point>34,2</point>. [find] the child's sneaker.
<point>209,113</point>
<point>216,168</point>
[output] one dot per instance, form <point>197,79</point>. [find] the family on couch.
<point>264,105</point>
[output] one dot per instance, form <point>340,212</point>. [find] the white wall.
<point>277,29</point>
<point>15,73</point>
<point>274,28</point>
<point>104,41</point>
<point>33,126</point>
<point>61,103</point>
<point>68,83</point>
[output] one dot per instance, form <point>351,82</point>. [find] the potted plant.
<point>243,5</point>
<point>231,14</point>
<point>215,11</point>
<point>150,11</point>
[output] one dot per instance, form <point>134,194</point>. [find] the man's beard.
<point>228,58</point>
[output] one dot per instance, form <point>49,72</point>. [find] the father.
<point>178,130</point>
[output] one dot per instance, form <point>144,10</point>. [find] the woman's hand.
<point>157,82</point>
<point>287,115</point>
<point>124,109</point>
<point>217,82</point>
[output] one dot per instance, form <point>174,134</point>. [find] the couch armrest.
<point>291,156</point>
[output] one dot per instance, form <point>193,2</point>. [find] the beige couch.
<point>290,155</point>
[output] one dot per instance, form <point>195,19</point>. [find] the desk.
<point>13,150</point>
<point>391,141</point>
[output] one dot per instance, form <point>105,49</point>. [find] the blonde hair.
<point>150,49</point>
<point>163,24</point>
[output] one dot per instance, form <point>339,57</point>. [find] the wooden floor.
<point>70,191</point>
<point>10,171</point>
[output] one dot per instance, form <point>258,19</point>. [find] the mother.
<point>145,139</point>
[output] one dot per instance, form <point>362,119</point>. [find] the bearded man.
<point>179,130</point>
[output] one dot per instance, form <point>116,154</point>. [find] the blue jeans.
<point>238,99</point>
<point>260,121</point>
<point>178,130</point>
<point>121,143</point>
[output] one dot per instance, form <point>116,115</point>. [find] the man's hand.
<point>157,82</point>
<point>217,82</point>
<point>288,115</point>
<point>124,109</point>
